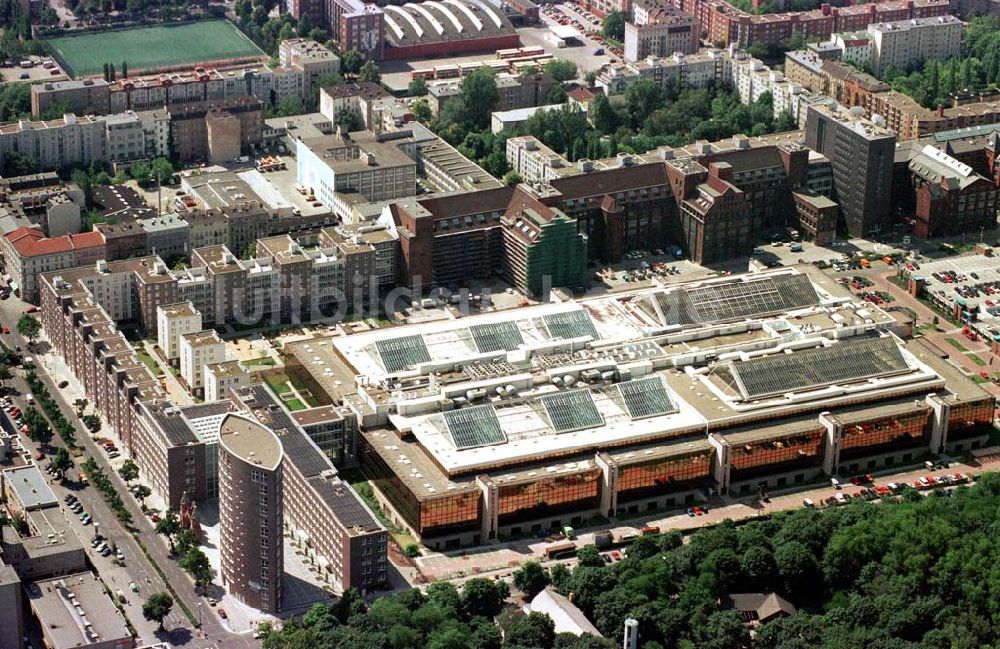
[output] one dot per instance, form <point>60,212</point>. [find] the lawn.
<point>254,362</point>
<point>147,48</point>
<point>295,404</point>
<point>957,345</point>
<point>975,359</point>
<point>149,362</point>
<point>278,383</point>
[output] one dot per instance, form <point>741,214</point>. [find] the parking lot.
<point>577,17</point>
<point>42,69</point>
<point>973,278</point>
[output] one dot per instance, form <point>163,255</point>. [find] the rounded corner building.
<point>250,512</point>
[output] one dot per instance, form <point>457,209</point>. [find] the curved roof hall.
<point>456,23</point>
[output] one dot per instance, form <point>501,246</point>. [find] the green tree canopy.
<point>614,25</point>
<point>417,87</point>
<point>370,72</point>
<point>560,69</point>
<point>531,578</point>
<point>479,95</point>
<point>129,471</point>
<point>157,607</point>
<point>61,462</point>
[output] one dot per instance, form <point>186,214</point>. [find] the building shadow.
<point>298,595</point>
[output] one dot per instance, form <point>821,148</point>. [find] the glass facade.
<point>547,496</point>
<point>387,482</point>
<point>970,419</point>
<point>212,471</point>
<point>798,451</point>
<point>886,434</point>
<point>663,475</point>
<point>448,513</point>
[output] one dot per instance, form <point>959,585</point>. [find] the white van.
<point>808,502</point>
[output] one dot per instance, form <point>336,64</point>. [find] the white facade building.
<point>903,44</point>
<point>196,351</point>
<point>172,322</point>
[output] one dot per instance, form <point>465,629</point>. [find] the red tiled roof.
<point>32,242</point>
<point>33,232</point>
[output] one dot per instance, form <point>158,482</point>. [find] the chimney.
<point>721,170</point>
<point>631,640</point>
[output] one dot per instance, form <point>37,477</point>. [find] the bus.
<point>467,68</point>
<point>447,71</point>
<point>508,54</point>
<point>560,550</point>
<point>498,66</point>
<point>422,74</point>
<point>534,59</point>
<point>533,50</point>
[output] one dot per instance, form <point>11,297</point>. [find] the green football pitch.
<point>145,48</point>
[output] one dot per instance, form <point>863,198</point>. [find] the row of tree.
<point>184,546</point>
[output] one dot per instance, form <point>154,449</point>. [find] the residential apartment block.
<point>27,253</point>
<point>82,97</point>
<point>180,448</point>
<point>312,58</point>
<point>54,143</point>
<point>704,68</point>
<point>513,91</point>
<point>222,377</point>
<point>216,131</point>
<point>660,31</point>
<point>41,199</point>
<point>81,140</point>
<point>172,322</point>
<point>346,538</point>
<point>302,63</point>
<point>902,45</point>
<point>728,25</point>
<point>196,351</point>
